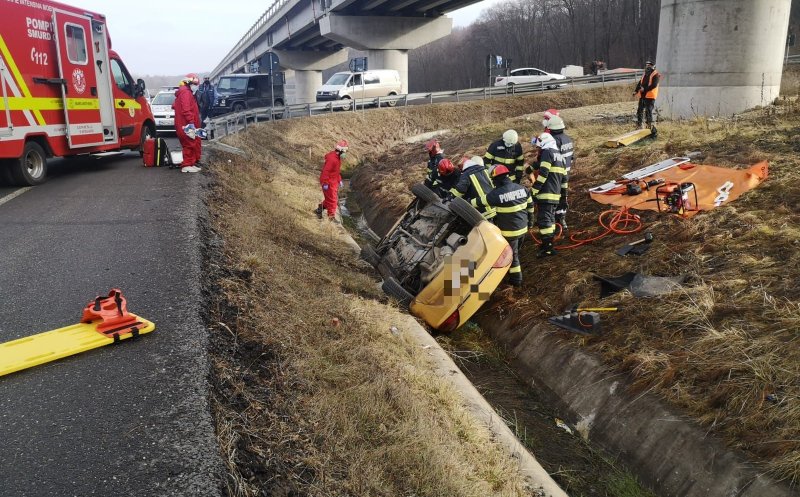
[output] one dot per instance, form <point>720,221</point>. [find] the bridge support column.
<point>387,39</point>
<point>307,67</point>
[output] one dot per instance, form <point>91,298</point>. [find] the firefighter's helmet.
<point>555,123</point>
<point>445,167</point>
<point>191,79</point>
<point>341,146</point>
<point>499,170</point>
<point>510,138</point>
<point>432,146</point>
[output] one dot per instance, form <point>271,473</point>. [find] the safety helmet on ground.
<point>190,79</point>
<point>555,123</point>
<point>510,138</point>
<point>341,146</point>
<point>498,170</point>
<point>445,167</point>
<point>545,140</point>
<point>432,146</point>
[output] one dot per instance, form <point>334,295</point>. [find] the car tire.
<point>368,254</point>
<point>552,87</point>
<point>393,289</point>
<point>31,168</point>
<point>237,108</point>
<point>148,131</point>
<point>466,212</point>
<point>392,103</point>
<point>424,193</point>
<point>510,88</point>
<point>348,105</point>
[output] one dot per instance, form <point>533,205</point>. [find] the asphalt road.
<point>130,419</point>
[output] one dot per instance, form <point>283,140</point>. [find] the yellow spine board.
<point>628,138</point>
<point>49,346</point>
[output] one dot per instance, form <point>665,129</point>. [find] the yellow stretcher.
<point>629,138</point>
<point>116,325</point>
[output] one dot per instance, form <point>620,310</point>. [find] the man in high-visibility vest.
<point>647,91</point>
<point>508,152</point>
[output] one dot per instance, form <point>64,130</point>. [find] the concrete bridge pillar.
<point>386,39</point>
<point>308,66</point>
<point>720,57</point>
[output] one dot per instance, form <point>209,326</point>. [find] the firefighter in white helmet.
<point>508,152</point>
<point>554,124</point>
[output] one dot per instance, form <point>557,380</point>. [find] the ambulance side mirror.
<point>140,87</point>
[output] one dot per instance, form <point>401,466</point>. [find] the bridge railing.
<point>236,122</point>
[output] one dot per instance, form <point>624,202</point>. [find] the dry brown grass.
<point>313,393</point>
<point>727,348</point>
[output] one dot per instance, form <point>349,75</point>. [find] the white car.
<point>528,75</point>
<point>163,112</point>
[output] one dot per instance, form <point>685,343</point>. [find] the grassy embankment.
<point>724,350</point>
<point>314,392</point>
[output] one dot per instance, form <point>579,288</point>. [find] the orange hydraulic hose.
<point>617,221</point>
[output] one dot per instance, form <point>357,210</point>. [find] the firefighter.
<point>435,154</point>
<point>514,207</point>
<point>555,125</point>
<point>647,91</point>
<point>507,151</point>
<point>187,118</point>
<point>474,184</point>
<point>445,178</point>
<point>546,190</point>
<point>331,179</point>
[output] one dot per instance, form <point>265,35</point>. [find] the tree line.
<point>548,34</point>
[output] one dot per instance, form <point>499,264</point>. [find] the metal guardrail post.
<point>405,99</point>
<point>457,97</point>
<point>309,110</point>
<point>227,127</point>
<point>484,93</point>
<point>604,80</point>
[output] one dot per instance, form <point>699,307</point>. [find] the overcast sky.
<point>161,37</point>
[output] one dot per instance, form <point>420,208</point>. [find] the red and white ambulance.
<point>63,90</point>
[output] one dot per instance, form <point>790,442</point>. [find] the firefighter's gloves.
<point>190,130</point>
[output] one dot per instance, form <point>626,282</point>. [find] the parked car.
<point>528,75</point>
<point>442,259</point>
<point>369,84</point>
<point>237,92</point>
<point>163,112</point>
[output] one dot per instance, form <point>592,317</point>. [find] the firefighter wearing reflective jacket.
<point>555,125</point>
<point>514,207</point>
<point>444,178</point>
<point>546,190</point>
<point>474,184</point>
<point>508,152</point>
<point>331,179</point>
<point>647,91</point>
<point>435,155</point>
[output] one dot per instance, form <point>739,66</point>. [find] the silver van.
<point>352,85</point>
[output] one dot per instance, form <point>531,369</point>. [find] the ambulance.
<point>63,90</point>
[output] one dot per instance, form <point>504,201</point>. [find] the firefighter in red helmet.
<point>443,178</point>
<point>331,179</point>
<point>187,121</point>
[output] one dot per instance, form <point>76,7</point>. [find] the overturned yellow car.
<point>442,259</point>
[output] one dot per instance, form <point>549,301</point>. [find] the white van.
<point>369,84</point>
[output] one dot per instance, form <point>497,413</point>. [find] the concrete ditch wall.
<point>667,451</point>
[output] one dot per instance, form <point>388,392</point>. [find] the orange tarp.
<point>716,186</point>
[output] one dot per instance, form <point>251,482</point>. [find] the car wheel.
<point>424,193</point>
<point>237,108</point>
<point>465,211</point>
<point>552,87</point>
<point>393,289</point>
<point>510,88</point>
<point>31,168</point>
<point>368,254</point>
<point>148,131</point>
<point>392,103</point>
<point>348,104</point>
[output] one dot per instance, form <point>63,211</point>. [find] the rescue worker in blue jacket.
<point>514,207</point>
<point>508,152</point>
<point>443,179</point>
<point>546,189</point>
<point>555,125</point>
<point>474,184</point>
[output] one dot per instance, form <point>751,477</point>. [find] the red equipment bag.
<point>149,152</point>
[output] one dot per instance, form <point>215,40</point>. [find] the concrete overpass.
<point>309,36</point>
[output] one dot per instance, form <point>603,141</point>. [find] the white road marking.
<point>13,195</point>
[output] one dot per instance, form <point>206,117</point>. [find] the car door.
<point>128,109</point>
<point>357,85</point>
<point>539,75</point>
<point>372,85</point>
<point>252,96</point>
<point>79,89</point>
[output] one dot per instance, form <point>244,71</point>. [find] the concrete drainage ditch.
<point>666,451</point>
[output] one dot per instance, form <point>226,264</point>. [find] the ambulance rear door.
<point>77,62</point>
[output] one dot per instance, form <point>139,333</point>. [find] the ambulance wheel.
<point>465,211</point>
<point>31,168</point>
<point>148,131</point>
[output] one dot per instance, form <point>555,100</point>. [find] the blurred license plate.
<point>165,122</point>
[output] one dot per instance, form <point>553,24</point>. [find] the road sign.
<point>358,64</point>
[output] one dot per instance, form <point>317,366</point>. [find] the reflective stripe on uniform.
<point>500,160</point>
<point>547,231</point>
<point>515,269</point>
<point>515,233</point>
<point>548,196</point>
<point>509,210</point>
